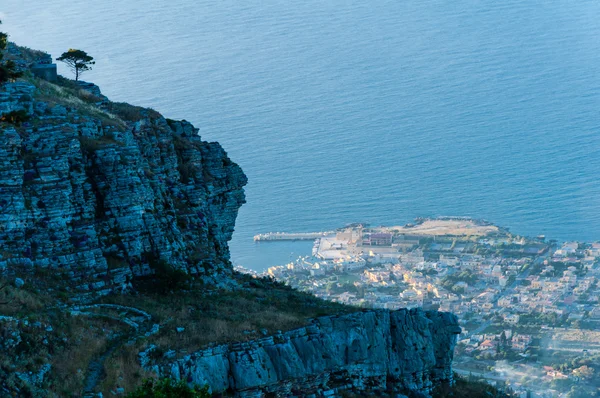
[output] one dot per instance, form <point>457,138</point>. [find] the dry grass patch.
<point>123,370</point>
<point>130,112</point>
<point>26,54</point>
<point>22,301</point>
<point>86,339</point>
<point>441,227</point>
<point>208,316</point>
<point>77,98</point>
<point>50,334</point>
<point>68,343</point>
<point>220,316</point>
<point>211,317</point>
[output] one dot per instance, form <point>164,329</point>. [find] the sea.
<point>344,111</point>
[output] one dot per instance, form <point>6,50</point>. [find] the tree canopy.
<point>77,60</point>
<point>8,69</point>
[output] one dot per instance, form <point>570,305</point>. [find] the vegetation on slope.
<point>54,329</point>
<point>196,318</point>
<point>468,387</point>
<point>166,388</point>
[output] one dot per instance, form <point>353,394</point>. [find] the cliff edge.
<point>98,198</point>
<point>98,193</point>
<point>380,351</point>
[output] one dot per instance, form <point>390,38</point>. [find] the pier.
<point>275,236</point>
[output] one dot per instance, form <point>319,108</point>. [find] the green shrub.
<point>131,113</point>
<point>186,172</point>
<point>470,387</point>
<point>165,279</point>
<point>8,69</point>
<point>15,117</point>
<point>170,278</point>
<point>93,144</point>
<point>167,388</point>
<point>115,262</point>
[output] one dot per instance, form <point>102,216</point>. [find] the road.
<point>509,290</point>
<point>484,375</point>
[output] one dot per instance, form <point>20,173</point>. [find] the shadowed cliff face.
<point>97,199</point>
<point>378,350</point>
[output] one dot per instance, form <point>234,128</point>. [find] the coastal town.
<point>528,307</point>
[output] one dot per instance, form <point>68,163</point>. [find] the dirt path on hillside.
<point>139,323</point>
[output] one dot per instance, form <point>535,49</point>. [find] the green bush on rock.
<point>167,388</point>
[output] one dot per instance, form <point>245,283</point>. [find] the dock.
<point>275,236</point>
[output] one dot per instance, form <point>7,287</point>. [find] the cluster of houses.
<point>499,287</point>
<point>488,345</point>
<point>477,287</point>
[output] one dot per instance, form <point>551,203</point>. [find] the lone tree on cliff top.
<point>77,60</point>
<point>8,69</point>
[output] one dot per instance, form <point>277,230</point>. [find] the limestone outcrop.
<point>374,350</point>
<point>96,193</point>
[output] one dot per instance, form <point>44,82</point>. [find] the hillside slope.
<point>114,266</point>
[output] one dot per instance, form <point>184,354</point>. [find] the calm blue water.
<point>377,111</point>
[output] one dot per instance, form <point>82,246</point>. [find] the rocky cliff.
<point>370,351</point>
<point>100,193</point>
<point>95,195</point>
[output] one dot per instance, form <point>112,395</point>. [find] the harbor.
<point>278,236</point>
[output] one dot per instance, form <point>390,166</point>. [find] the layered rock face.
<point>98,200</point>
<point>95,194</point>
<point>376,350</point>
